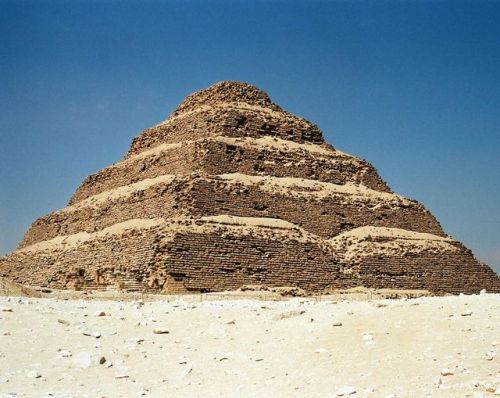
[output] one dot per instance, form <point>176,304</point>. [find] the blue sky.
<point>414,87</point>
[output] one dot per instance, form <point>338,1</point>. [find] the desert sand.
<point>204,346</point>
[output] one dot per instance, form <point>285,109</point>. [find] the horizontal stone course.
<point>244,111</point>
<point>209,256</point>
<point>322,212</point>
<point>220,155</point>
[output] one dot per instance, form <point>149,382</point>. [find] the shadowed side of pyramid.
<point>232,190</point>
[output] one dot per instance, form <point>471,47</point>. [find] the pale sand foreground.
<point>244,348</point>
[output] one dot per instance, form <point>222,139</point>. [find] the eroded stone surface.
<point>230,191</point>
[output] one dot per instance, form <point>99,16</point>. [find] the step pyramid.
<point>232,190</point>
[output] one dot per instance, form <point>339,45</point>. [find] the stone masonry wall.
<point>166,200</point>
<point>439,273</point>
<point>157,260</point>
<point>215,157</point>
<point>325,217</point>
<point>200,196</point>
<point>113,262</point>
<point>227,121</point>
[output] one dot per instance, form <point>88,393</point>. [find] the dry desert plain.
<point>237,347</point>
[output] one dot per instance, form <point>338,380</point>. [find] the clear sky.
<point>414,87</point>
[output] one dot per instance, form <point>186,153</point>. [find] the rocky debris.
<point>447,372</point>
<point>255,352</point>
<point>161,330</point>
<point>6,309</point>
<point>184,372</point>
<point>100,313</point>
<point>347,390</point>
<point>64,353</point>
<point>289,314</point>
<point>10,288</point>
<point>33,374</point>
<point>368,339</point>
<point>97,335</point>
<point>337,324</point>
<point>85,359</point>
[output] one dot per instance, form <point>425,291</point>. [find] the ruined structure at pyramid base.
<point>231,190</point>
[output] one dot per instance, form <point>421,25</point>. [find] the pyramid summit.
<point>227,91</point>
<point>232,190</point>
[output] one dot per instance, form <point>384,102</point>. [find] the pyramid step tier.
<point>219,155</point>
<point>231,119</point>
<point>227,91</point>
<point>224,253</point>
<point>211,254</point>
<point>324,209</point>
<point>396,257</point>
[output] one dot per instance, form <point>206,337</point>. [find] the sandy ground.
<point>423,347</point>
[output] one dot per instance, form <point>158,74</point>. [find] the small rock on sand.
<point>368,339</point>
<point>65,353</point>
<point>446,372</point>
<point>289,314</point>
<point>347,390</point>
<point>33,374</point>
<point>100,313</point>
<point>161,330</point>
<point>83,360</point>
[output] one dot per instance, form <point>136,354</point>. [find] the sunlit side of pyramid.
<point>232,190</point>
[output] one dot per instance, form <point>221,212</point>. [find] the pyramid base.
<point>225,253</point>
